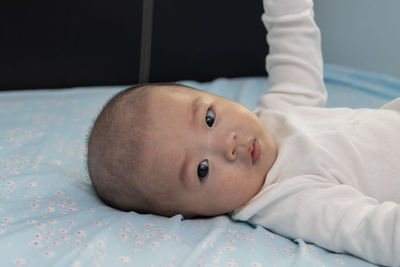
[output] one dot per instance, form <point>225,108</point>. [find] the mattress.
<point>51,216</point>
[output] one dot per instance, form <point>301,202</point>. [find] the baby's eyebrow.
<point>195,105</point>
<point>183,167</point>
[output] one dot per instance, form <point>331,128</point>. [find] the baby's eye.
<point>202,169</point>
<point>210,118</point>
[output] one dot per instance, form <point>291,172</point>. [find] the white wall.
<point>364,34</point>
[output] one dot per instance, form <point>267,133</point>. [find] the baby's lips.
<point>255,151</point>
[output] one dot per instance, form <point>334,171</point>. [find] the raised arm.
<point>294,62</point>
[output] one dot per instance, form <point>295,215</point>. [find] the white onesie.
<point>336,179</point>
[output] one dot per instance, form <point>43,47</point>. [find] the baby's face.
<point>210,154</point>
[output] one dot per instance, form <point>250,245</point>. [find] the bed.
<point>62,62</point>
<point>51,216</point>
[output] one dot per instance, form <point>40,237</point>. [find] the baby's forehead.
<point>170,110</point>
<point>171,96</point>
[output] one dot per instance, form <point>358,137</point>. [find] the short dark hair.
<point>115,144</point>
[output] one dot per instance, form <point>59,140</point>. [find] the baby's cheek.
<point>235,187</point>
<point>229,182</point>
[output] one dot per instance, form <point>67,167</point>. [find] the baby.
<point>178,150</point>
<point>330,176</point>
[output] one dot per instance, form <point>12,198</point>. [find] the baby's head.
<point>169,149</point>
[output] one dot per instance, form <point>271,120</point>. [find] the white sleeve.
<point>294,63</point>
<point>334,216</point>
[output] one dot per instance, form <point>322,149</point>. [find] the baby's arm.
<point>294,62</point>
<point>336,217</point>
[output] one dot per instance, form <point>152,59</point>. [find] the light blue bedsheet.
<point>50,215</point>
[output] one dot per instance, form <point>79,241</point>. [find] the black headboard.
<point>53,44</point>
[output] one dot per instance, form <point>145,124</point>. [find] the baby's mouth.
<point>255,151</point>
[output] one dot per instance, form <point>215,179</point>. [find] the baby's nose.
<point>229,146</point>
